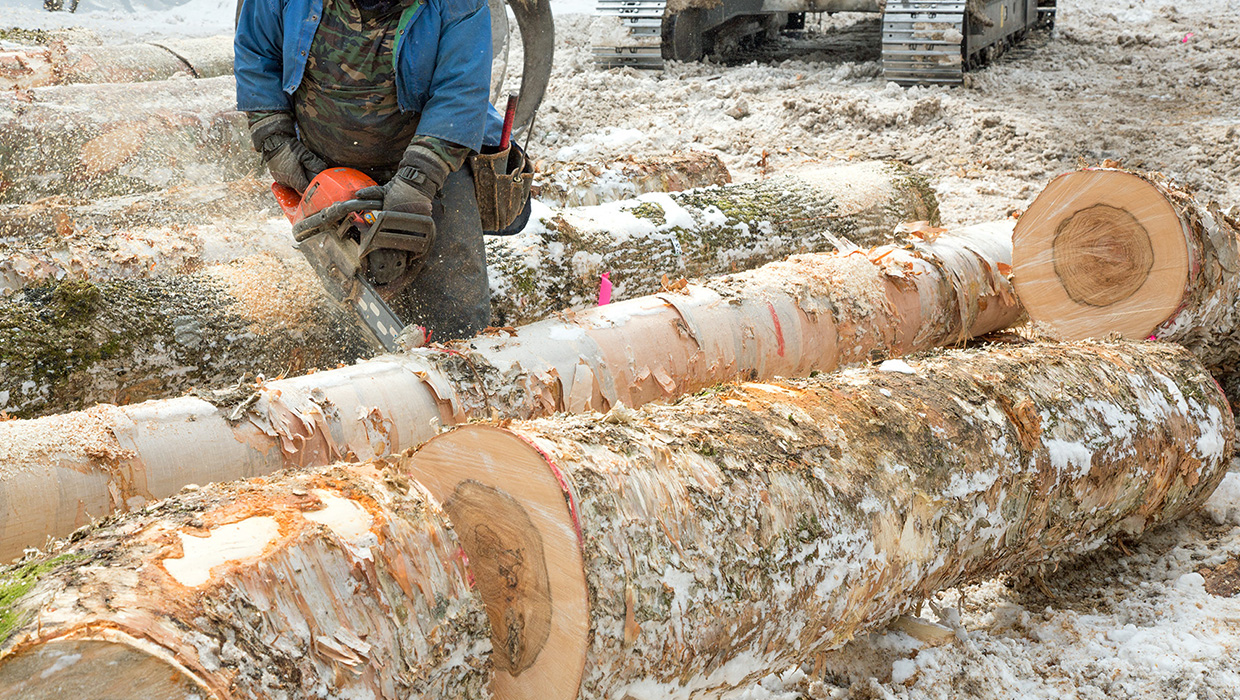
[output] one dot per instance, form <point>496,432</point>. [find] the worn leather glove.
<point>421,175</point>
<point>291,164</point>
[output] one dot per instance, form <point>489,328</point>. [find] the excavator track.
<point>643,22</point>
<point>922,42</point>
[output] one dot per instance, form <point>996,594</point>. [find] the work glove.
<point>291,164</point>
<point>421,175</point>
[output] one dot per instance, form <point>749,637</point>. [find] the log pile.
<point>812,312</point>
<point>134,336</point>
<point>676,549</point>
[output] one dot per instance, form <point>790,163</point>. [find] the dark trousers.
<point>451,296</point>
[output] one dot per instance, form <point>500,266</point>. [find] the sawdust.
<point>271,291</point>
<point>82,437</point>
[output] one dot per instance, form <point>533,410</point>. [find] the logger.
<point>925,42</point>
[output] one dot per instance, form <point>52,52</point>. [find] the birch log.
<point>689,549</point>
<point>102,140</point>
<point>813,312</point>
<point>1105,251</point>
<point>587,183</point>
<point>556,263</point>
<point>61,64</point>
<point>343,582</point>
<point>147,338</point>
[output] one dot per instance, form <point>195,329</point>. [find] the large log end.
<point>1101,251</point>
<point>514,516</point>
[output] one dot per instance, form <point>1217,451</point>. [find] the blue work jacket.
<point>443,63</point>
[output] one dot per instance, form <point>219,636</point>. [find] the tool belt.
<point>502,181</point>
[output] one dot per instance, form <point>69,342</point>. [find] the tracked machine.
<point>925,42</point>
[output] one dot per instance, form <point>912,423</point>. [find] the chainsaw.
<point>364,255</point>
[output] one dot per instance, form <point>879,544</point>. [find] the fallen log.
<point>339,583</point>
<point>587,183</point>
<point>152,337</point>
<point>89,141</point>
<point>694,548</point>
<point>813,312</point>
<point>1104,251</point>
<point>556,263</point>
<point>62,64</point>
<point>169,231</point>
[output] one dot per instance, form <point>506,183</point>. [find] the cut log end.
<point>526,562</point>
<point>92,668</point>
<point>1101,252</point>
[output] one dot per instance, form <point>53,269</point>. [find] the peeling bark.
<point>813,312</point>
<point>342,582</point>
<point>587,183</point>
<point>112,139</point>
<point>1164,263</point>
<point>61,64</point>
<point>701,546</point>
<point>159,336</point>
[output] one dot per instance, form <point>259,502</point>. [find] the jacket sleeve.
<point>258,57</point>
<point>458,103</point>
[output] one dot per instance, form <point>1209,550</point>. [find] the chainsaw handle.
<point>310,225</point>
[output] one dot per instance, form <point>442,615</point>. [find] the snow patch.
<point>896,366</point>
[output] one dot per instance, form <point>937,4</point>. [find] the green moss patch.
<point>17,582</point>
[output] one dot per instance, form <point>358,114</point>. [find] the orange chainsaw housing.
<point>327,188</point>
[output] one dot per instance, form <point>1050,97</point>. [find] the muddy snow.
<point>1153,85</point>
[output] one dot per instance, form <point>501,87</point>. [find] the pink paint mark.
<point>1186,38</point>
<point>604,289</point>
<point>1152,337</point>
<point>779,330</point>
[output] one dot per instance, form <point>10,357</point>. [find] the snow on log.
<point>111,139</point>
<point>698,547</point>
<point>141,337</point>
<point>556,263</point>
<point>61,64</point>
<point>342,582</point>
<point>1104,251</point>
<point>587,183</point>
<point>812,312</point>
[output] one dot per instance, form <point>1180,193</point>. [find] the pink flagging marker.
<point>604,290</point>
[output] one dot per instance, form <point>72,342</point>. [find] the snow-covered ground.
<point>1152,84</point>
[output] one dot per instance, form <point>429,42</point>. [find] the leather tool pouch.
<point>503,187</point>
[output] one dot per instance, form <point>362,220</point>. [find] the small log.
<point>813,312</point>
<point>556,262</point>
<point>343,582</point>
<point>695,548</point>
<point>154,337</point>
<point>587,183</point>
<point>90,141</point>
<point>1105,251</point>
<point>61,64</point>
